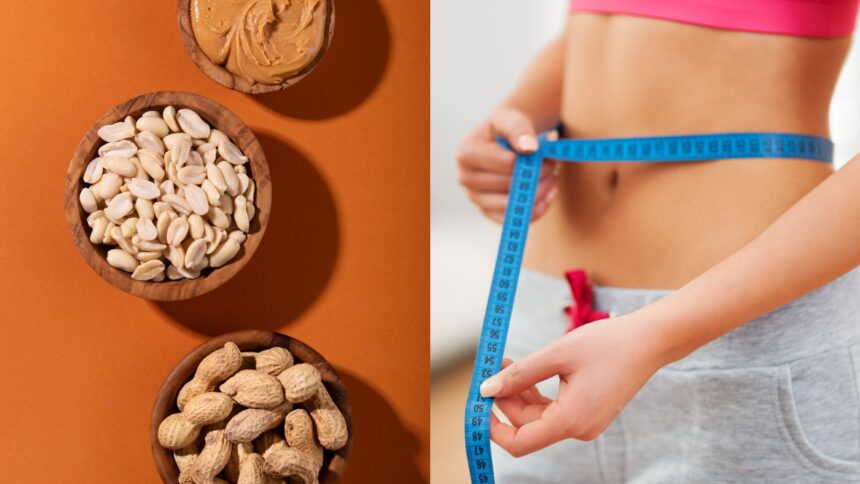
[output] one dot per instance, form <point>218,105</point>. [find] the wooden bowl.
<point>165,404</point>
<point>218,117</point>
<point>226,78</point>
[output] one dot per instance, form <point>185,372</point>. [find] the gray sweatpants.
<point>774,401</point>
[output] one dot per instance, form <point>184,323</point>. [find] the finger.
<point>548,169</point>
<point>532,395</point>
<point>484,181</point>
<point>512,407</point>
<point>484,131</point>
<point>540,210</point>
<point>488,156</point>
<point>543,188</point>
<point>545,202</point>
<point>543,198</point>
<point>517,128</point>
<point>537,367</point>
<point>497,202</point>
<point>552,135</point>
<point>542,399</point>
<point>498,217</point>
<point>488,201</point>
<point>551,194</point>
<point>547,193</point>
<point>518,411</point>
<point>533,436</point>
<point>494,420</point>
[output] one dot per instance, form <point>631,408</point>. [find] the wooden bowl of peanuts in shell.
<point>168,195</point>
<point>252,407</point>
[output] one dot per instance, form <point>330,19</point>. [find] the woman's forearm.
<point>538,94</point>
<point>814,242</point>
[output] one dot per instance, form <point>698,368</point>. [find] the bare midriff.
<point>264,41</point>
<point>660,225</point>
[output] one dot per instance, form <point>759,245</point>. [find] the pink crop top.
<point>803,18</point>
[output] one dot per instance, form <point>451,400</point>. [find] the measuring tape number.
<point>526,174</point>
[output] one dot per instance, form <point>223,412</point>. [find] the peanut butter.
<point>264,41</point>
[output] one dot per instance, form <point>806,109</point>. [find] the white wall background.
<point>478,50</point>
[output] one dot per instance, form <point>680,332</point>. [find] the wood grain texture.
<point>226,78</point>
<point>219,117</point>
<point>334,464</point>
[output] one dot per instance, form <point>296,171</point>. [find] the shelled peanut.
<point>253,418</point>
<point>169,194</point>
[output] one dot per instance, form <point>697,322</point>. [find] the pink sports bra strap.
<point>802,18</point>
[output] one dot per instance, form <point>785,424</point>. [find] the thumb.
<point>517,128</point>
<point>526,373</point>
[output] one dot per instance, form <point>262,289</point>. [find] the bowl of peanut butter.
<point>256,46</point>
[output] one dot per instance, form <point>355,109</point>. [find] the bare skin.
<point>659,226</point>
<point>653,225</point>
<point>736,238</point>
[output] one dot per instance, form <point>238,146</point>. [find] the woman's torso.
<point>656,225</point>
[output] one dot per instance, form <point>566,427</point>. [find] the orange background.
<point>343,265</point>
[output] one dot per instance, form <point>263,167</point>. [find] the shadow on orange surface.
<point>349,72</point>
<point>383,449</point>
<point>291,267</point>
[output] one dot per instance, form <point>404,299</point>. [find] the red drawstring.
<point>581,311</point>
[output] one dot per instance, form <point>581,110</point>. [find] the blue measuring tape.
<point>518,214</point>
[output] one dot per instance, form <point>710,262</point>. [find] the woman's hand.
<point>601,366</point>
<point>486,167</point>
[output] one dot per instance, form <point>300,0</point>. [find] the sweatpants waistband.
<point>824,319</point>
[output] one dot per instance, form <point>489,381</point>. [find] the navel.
<point>613,179</point>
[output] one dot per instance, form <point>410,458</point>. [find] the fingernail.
<point>527,142</point>
<point>551,195</point>
<point>491,387</point>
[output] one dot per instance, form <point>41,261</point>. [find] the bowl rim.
<point>76,217</point>
<point>225,78</point>
<point>249,340</point>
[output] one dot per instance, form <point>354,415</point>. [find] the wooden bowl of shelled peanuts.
<point>250,343</point>
<point>103,255</point>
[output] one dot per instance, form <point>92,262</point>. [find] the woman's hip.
<point>776,400</point>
